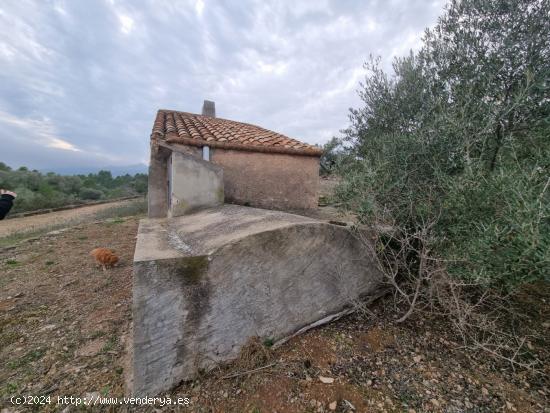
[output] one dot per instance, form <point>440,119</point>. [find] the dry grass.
<point>18,228</point>
<point>253,354</point>
<point>64,327</point>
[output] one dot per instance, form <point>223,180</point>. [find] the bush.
<point>496,227</point>
<point>39,191</point>
<point>90,193</point>
<point>455,143</point>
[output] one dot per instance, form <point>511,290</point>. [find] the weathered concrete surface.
<point>205,283</point>
<point>194,184</point>
<point>157,193</point>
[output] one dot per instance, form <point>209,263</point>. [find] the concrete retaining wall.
<point>195,184</point>
<point>205,283</point>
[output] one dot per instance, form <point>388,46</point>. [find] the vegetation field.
<point>36,190</point>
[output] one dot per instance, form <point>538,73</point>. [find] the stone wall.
<point>182,181</point>
<point>157,192</point>
<point>269,180</point>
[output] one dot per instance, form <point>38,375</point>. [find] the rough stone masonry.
<point>205,283</point>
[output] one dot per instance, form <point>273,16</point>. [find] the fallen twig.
<point>244,373</point>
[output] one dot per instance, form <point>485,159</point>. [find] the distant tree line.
<point>37,190</point>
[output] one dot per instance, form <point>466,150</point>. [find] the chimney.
<point>209,108</point>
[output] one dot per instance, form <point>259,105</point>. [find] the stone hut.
<point>208,277</point>
<point>200,161</point>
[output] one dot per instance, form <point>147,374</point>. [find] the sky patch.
<point>81,81</point>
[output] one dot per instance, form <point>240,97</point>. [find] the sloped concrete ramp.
<point>205,283</point>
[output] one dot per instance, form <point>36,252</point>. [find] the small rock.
<point>484,391</point>
<point>435,402</point>
<point>48,327</point>
<point>91,348</point>
<point>509,406</point>
<point>332,406</point>
<point>326,380</point>
<point>417,359</point>
<point>57,232</point>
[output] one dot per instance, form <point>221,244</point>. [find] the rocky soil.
<point>64,328</point>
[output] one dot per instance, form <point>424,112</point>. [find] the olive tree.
<point>455,143</point>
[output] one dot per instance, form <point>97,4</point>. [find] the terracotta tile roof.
<point>199,130</point>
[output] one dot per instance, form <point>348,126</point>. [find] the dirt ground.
<point>38,222</point>
<point>64,327</point>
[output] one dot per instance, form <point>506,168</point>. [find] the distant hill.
<point>85,170</point>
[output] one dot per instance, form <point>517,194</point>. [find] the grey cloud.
<point>93,74</point>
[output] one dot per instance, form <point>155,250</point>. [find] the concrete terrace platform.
<point>205,283</point>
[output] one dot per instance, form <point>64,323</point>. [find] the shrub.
<point>90,193</point>
<point>38,191</point>
<point>455,142</point>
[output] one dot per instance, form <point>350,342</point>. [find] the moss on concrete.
<point>180,208</point>
<point>220,195</point>
<point>192,269</point>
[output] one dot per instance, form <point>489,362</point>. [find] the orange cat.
<point>105,257</point>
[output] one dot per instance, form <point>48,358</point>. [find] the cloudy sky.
<point>81,80</point>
